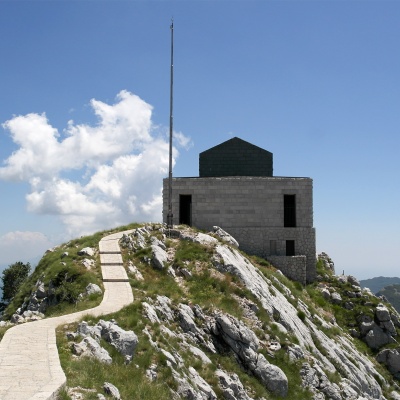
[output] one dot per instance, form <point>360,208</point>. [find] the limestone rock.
<point>124,341</point>
<point>88,263</point>
<point>391,358</point>
<point>231,386</point>
<point>159,257</point>
<point>225,236</point>
<point>132,269</point>
<point>271,376</point>
<point>150,312</point>
<point>92,288</point>
<point>87,251</point>
<point>382,313</point>
<point>90,348</point>
<point>110,389</point>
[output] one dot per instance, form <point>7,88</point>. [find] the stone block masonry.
<point>252,210</point>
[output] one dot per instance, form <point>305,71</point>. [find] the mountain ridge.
<point>213,322</point>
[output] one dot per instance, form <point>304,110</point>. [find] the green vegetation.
<point>12,278</point>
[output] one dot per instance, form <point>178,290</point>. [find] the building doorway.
<point>185,209</point>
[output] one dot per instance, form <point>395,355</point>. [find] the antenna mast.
<point>171,119</point>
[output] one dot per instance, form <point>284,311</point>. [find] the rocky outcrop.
<point>391,359</point>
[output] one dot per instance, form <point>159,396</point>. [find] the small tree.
<point>13,277</point>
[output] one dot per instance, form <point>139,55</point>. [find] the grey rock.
<point>391,359</point>
<point>376,338</point>
<point>154,241</point>
<point>271,376</point>
<point>225,236</point>
<point>159,257</point>
<point>110,389</point>
<point>17,319</point>
<point>200,354</point>
<point>132,269</point>
<point>124,341</point>
<point>88,263</point>
<point>163,308</point>
<point>87,251</point>
<point>41,292</point>
<point>92,288</point>
<point>395,319</point>
<point>204,239</point>
<point>90,348</point>
<point>326,293</point>
<point>336,298</point>
<point>353,280</point>
<point>150,312</point>
<point>151,372</point>
<point>382,313</point>
<point>100,397</point>
<point>186,318</point>
<point>231,386</point>
<point>202,385</point>
<point>65,254</point>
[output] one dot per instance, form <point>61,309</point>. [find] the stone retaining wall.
<point>294,267</point>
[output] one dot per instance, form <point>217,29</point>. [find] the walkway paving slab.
<point>29,363</point>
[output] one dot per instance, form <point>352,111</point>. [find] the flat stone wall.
<point>257,241</point>
<point>241,201</point>
<point>294,267</point>
<point>251,209</point>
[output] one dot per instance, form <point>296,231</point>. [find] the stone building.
<point>269,216</point>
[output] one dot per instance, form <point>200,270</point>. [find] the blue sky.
<point>84,95</point>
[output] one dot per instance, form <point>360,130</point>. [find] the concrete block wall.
<point>294,267</point>
<point>251,209</point>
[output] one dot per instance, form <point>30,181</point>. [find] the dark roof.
<point>235,157</point>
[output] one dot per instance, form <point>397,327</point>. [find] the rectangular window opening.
<point>289,206</point>
<point>290,250</point>
<point>185,209</point>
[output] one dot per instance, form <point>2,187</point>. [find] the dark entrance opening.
<point>185,209</point>
<point>290,250</point>
<point>289,206</point>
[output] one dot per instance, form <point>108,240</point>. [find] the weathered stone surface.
<point>353,280</point>
<point>382,313</point>
<point>110,389</point>
<point>92,288</point>
<point>336,298</point>
<point>271,376</point>
<point>202,385</point>
<point>163,308</point>
<point>391,358</point>
<point>231,386</point>
<point>150,312</point>
<point>132,269</point>
<point>159,257</point>
<point>88,263</point>
<point>225,236</point>
<point>124,341</point>
<point>376,338</point>
<point>87,251</point>
<point>90,348</point>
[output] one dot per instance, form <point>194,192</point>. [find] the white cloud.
<point>22,246</point>
<point>121,161</point>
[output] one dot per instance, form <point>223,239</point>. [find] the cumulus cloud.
<point>22,246</point>
<point>120,161</point>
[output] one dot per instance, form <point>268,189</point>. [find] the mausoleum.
<point>269,216</point>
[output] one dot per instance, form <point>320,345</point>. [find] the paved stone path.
<point>29,362</point>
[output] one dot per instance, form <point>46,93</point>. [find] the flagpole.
<point>170,216</point>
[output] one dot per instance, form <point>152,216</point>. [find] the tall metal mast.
<point>170,216</point>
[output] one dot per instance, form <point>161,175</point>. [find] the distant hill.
<point>392,293</point>
<point>378,283</point>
